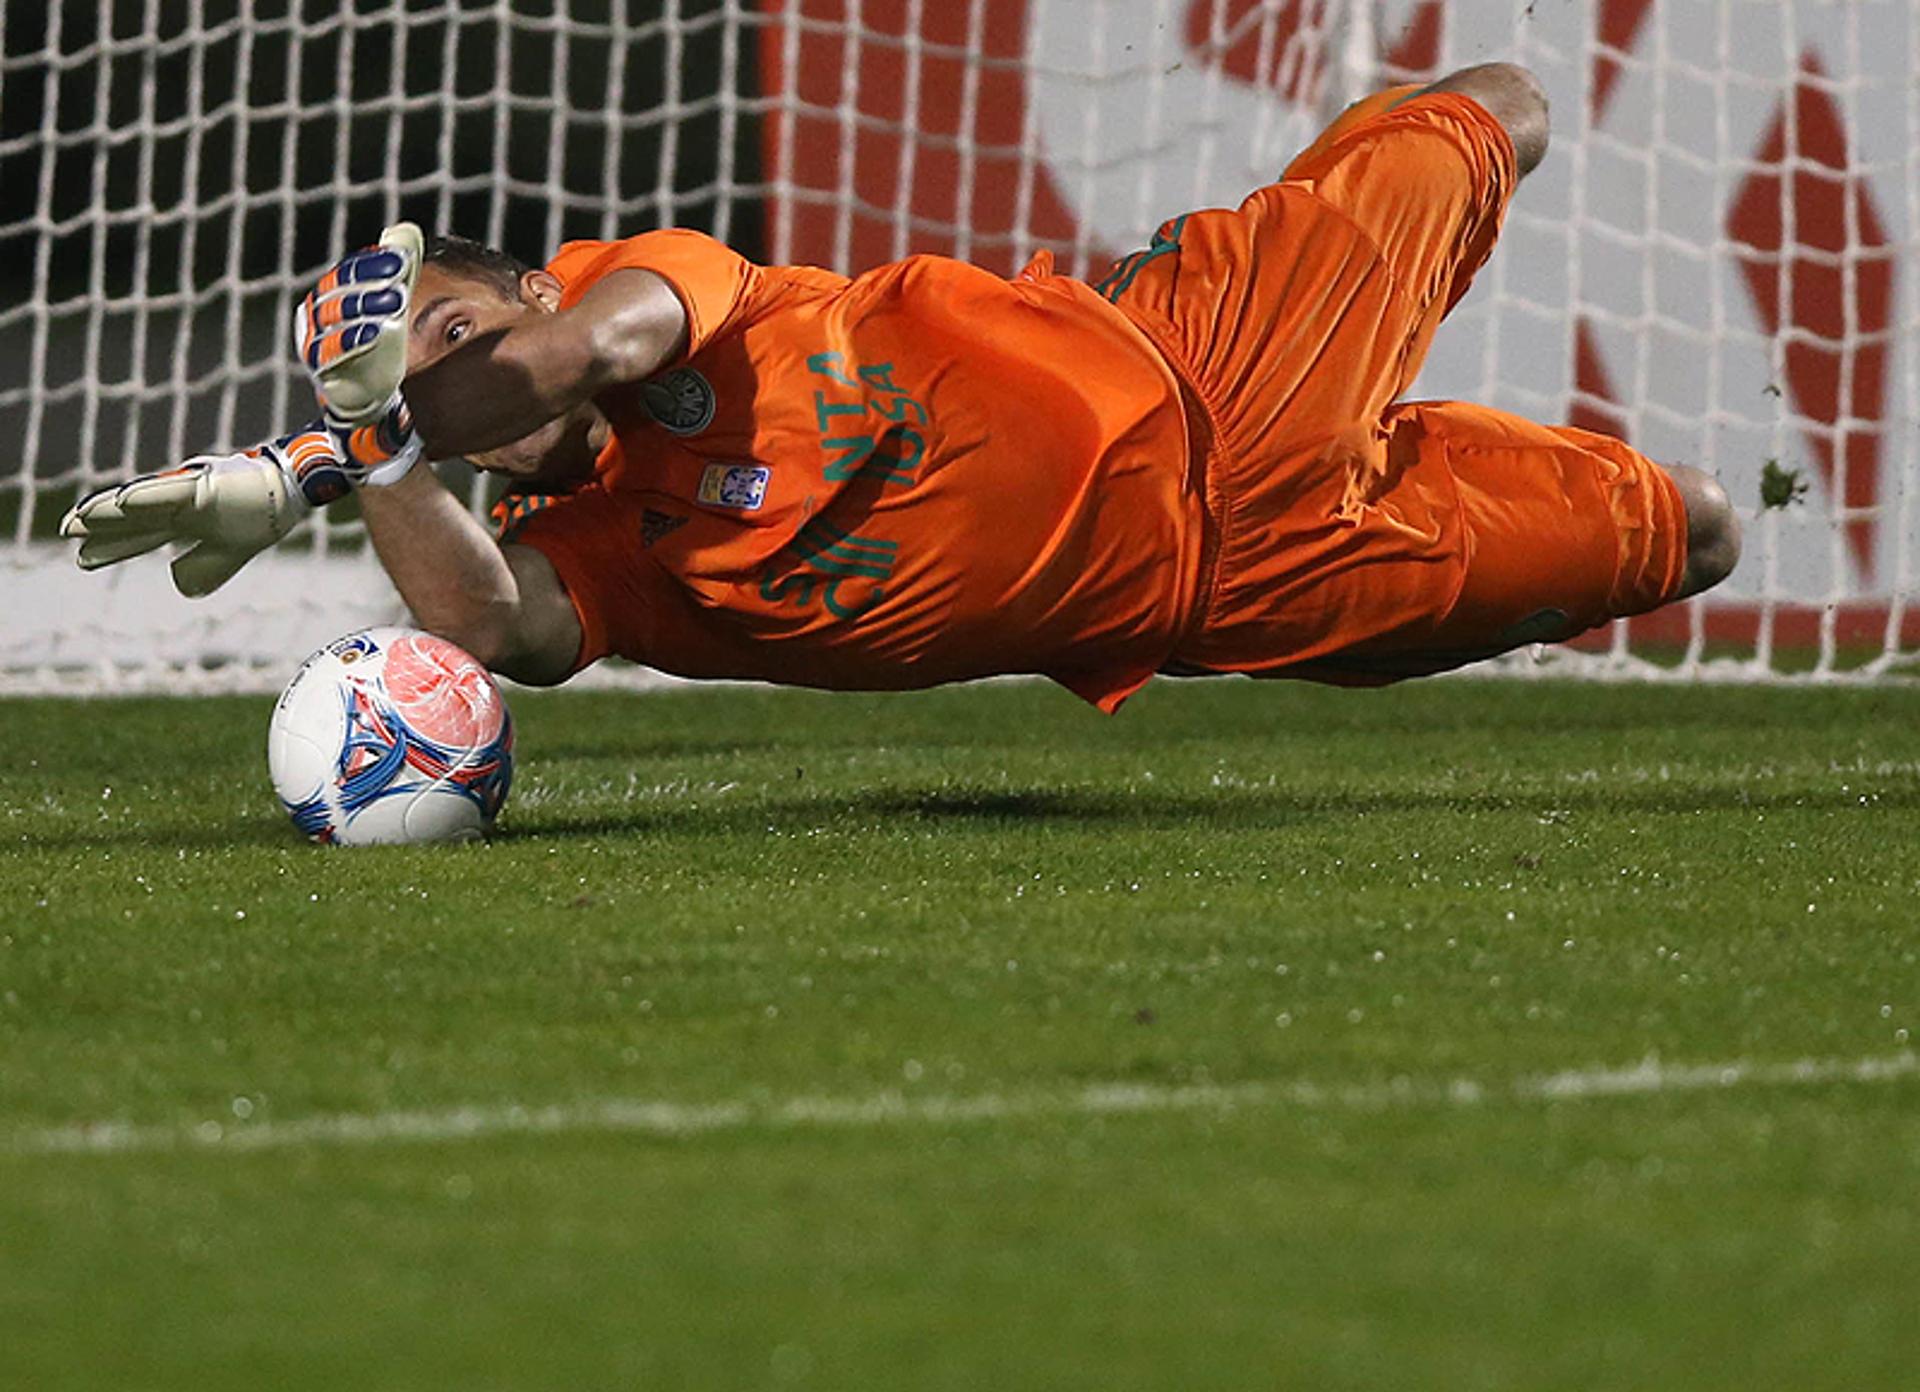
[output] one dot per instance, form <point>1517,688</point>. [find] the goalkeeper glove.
<point>350,333</point>
<point>228,507</point>
<point>375,453</point>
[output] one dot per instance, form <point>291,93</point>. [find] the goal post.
<point>1716,261</point>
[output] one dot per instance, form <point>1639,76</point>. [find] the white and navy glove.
<point>224,507</point>
<point>350,334</point>
<point>227,507</point>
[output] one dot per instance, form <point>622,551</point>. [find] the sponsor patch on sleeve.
<point>742,486</point>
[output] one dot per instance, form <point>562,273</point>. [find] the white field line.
<point>681,1119</point>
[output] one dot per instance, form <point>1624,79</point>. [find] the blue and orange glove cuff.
<point>382,451</point>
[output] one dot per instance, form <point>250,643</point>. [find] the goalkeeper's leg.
<point>1511,93</point>
<point>1323,291</point>
<point>1479,533</point>
<point>1365,109</point>
<point>1558,530</point>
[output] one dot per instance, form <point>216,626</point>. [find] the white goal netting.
<point>1716,261</point>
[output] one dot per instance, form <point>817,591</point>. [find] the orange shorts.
<point>1353,539</point>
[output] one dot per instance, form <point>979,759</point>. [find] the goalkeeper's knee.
<point>1713,529</point>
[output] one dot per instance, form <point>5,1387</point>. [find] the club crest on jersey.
<point>680,400</point>
<point>742,486</point>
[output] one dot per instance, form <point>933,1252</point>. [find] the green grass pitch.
<point>972,1040</point>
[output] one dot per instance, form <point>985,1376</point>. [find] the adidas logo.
<point>654,525</point>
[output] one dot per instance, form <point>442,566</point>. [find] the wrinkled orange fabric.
<point>1355,539</point>
<point>928,472</point>
<point>923,474</point>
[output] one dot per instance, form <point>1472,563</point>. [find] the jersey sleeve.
<point>710,279</point>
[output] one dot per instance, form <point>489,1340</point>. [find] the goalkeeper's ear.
<point>542,289</point>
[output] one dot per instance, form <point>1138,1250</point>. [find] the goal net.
<point>1716,260</point>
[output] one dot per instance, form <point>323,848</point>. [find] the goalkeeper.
<point>1195,464</point>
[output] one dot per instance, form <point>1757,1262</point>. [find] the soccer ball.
<point>390,735</point>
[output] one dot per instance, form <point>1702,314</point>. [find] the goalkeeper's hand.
<point>228,507</point>
<point>225,507</point>
<point>350,333</point>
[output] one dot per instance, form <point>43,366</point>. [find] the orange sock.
<point>1360,111</point>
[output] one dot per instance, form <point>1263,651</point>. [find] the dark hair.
<point>476,261</point>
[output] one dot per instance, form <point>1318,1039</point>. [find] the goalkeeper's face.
<point>451,309</point>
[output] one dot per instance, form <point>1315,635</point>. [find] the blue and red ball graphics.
<point>391,735</point>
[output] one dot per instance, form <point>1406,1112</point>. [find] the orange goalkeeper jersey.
<point>923,474</point>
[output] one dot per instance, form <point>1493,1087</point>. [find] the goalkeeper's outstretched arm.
<point>504,605</point>
<point>488,378</point>
<point>482,371</point>
<point>503,380</point>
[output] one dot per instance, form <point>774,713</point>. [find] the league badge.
<point>742,486</point>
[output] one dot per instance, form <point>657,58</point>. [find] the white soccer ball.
<point>391,735</point>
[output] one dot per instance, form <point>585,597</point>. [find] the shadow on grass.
<point>549,752</point>
<point>1001,809</point>
<point>701,722</point>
